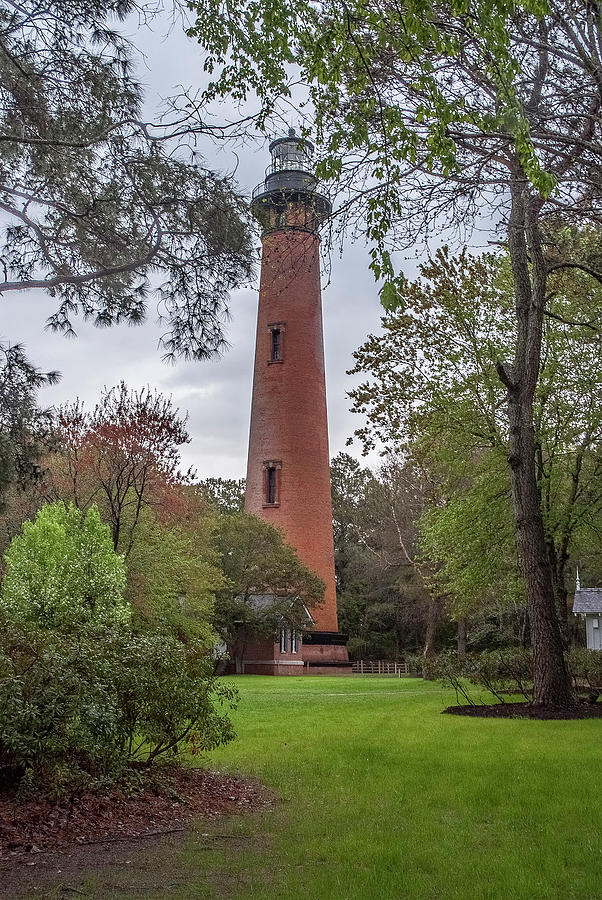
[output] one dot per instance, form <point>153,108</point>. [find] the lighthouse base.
<point>316,653</point>
<point>325,653</point>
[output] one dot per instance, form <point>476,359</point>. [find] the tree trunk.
<point>461,638</point>
<point>430,640</point>
<point>551,680</point>
<point>560,593</point>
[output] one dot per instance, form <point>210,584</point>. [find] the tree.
<point>381,598</point>
<point>430,118</point>
<point>62,572</point>
<point>432,391</point>
<point>123,455</point>
<point>257,561</point>
<point>225,494</point>
<point>100,207</point>
<point>25,429</point>
<point>173,574</point>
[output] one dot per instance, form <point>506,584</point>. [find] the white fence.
<point>380,667</point>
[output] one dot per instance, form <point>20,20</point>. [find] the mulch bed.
<point>170,804</point>
<point>527,711</point>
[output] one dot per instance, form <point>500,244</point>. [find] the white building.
<point>588,605</point>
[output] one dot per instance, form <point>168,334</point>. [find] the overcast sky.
<point>216,394</point>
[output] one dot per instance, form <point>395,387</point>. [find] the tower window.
<point>276,343</point>
<point>271,483</point>
<point>271,495</point>
<point>276,338</point>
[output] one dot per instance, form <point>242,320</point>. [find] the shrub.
<point>500,672</point>
<point>79,708</point>
<point>62,572</point>
<point>510,671</point>
<point>165,695</point>
<point>585,667</point>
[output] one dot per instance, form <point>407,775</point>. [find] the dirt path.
<point>114,845</point>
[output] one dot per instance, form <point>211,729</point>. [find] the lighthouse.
<point>288,470</point>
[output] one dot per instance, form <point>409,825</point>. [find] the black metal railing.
<point>286,180</point>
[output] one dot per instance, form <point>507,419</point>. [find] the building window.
<point>283,640</point>
<point>271,483</point>
<point>276,330</point>
<point>293,641</point>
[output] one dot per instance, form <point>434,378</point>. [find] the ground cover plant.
<point>379,796</point>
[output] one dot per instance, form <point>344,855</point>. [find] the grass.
<point>384,797</point>
<point>381,796</point>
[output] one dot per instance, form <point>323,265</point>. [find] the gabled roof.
<point>260,602</point>
<point>588,600</point>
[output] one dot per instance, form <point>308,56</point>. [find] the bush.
<point>585,667</point>
<point>500,672</point>
<point>510,671</point>
<point>62,572</point>
<point>78,709</point>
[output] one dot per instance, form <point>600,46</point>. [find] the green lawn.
<point>381,796</point>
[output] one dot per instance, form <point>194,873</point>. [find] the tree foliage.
<point>227,495</point>
<point>432,391</point>
<point>25,429</point>
<point>382,602</point>
<point>102,208</point>
<point>123,455</point>
<point>173,575</point>
<point>424,113</point>
<point>62,572</point>
<point>256,562</point>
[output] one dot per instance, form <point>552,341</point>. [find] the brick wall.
<point>288,416</point>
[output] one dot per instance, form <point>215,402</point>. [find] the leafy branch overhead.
<point>422,113</point>
<point>25,429</point>
<point>101,208</point>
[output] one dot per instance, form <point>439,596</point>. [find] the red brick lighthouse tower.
<point>288,473</point>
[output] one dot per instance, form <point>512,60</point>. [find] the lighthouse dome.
<point>290,153</point>
<point>289,178</point>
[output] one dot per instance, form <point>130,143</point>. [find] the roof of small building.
<point>588,600</point>
<point>260,602</point>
